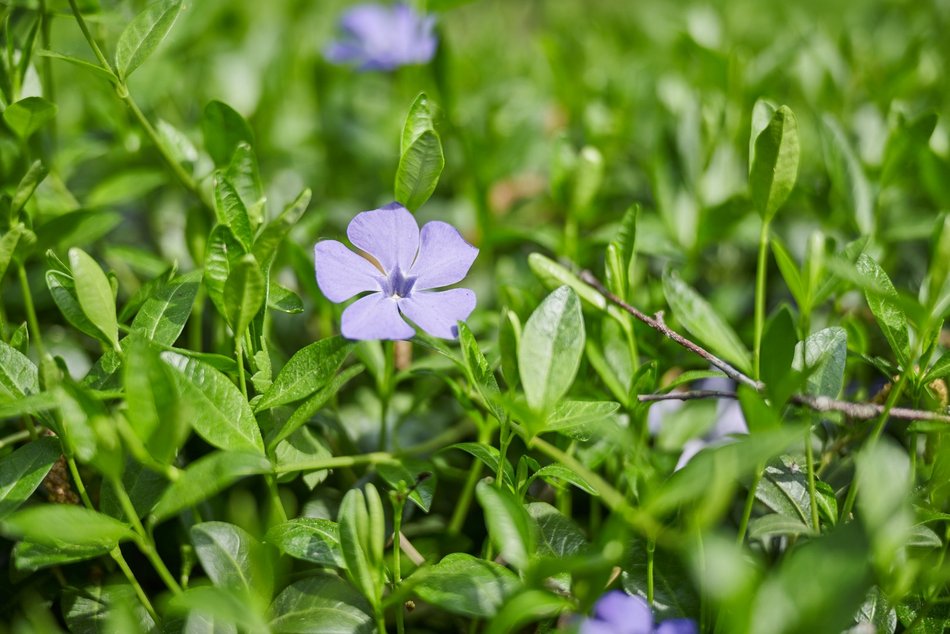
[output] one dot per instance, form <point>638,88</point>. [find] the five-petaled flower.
<point>619,613</point>
<point>408,264</point>
<point>377,37</point>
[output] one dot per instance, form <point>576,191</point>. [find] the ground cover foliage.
<point>692,219</point>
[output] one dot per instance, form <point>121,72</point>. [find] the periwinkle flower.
<point>407,265</point>
<point>377,37</point>
<point>619,613</point>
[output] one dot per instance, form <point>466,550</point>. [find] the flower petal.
<point>341,274</point>
<point>444,256</point>
<point>437,313</point>
<point>678,626</point>
<point>628,614</point>
<point>367,22</point>
<point>374,317</point>
<point>593,626</point>
<point>389,234</point>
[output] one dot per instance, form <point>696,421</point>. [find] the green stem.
<point>77,480</point>
<point>145,542</point>
<point>892,399</point>
<point>468,490</point>
<point>760,275</point>
<point>504,441</point>
<point>14,438</point>
<point>31,319</point>
<point>399,503</point>
<point>749,503</point>
<point>338,462</point>
<point>812,496</point>
<point>386,393</point>
<point>119,558</point>
<point>651,549</point>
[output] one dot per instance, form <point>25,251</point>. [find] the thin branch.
<point>859,411</point>
<point>660,326</point>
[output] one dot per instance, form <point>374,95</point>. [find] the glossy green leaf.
<point>231,557</point>
<point>163,315</point>
<point>885,484</point>
<point>28,115</point>
<point>81,63</point>
<point>774,165</point>
<point>848,179</point>
<point>94,293</point>
<point>96,608</point>
<point>418,121</point>
<point>554,275</point>
<point>362,537</point>
<point>284,300</point>
<point>825,353</point>
<point>143,34</point>
<point>230,211</point>
<point>75,227</point>
<point>224,129</point>
<point>528,606</point>
<point>419,169</point>
<point>778,352</point>
<point>883,303</point>
<point>223,253</point>
<point>557,473</point>
<point>22,471</point>
<point>489,456</point>
<point>29,556</point>
<point>243,174</point>
<point>550,349</point>
<point>699,318</point>
<point>65,524</point>
<point>18,375</point>
<point>307,371</point>
<point>320,604</point>
<point>419,476</point>
<point>244,294</point>
<point>309,539</point>
<point>63,291</point>
<point>220,413</point>
<point>511,529</point>
<point>28,184</point>
<point>620,254</point>
<point>583,420</point>
<point>558,535</point>
<point>206,477</point>
<point>465,585</point>
<point>14,241</point>
<point>154,412</point>
<point>266,244</point>
<point>789,270</point>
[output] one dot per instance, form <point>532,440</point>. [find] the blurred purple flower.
<point>407,264</point>
<point>378,37</point>
<point>619,613</point>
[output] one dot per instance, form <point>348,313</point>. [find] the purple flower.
<point>619,613</point>
<point>377,37</point>
<point>406,264</point>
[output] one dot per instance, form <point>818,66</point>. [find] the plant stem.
<point>749,503</point>
<point>651,549</point>
<point>145,542</point>
<point>31,319</point>
<point>468,491</point>
<point>239,357</point>
<point>812,496</point>
<point>119,558</point>
<point>760,273</point>
<point>386,393</point>
<point>399,502</point>
<point>14,438</point>
<point>338,462</point>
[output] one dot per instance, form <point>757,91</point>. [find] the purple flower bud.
<point>377,37</point>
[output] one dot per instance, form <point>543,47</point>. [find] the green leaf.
<point>164,313</point>
<point>487,455</point>
<point>75,227</point>
<point>620,254</point>
<point>789,270</point>
<point>230,211</point>
<point>309,539</point>
<point>222,254</point>
<point>29,556</point>
<point>825,354</point>
<point>882,300</point>
<point>220,413</point>
<point>63,291</point>
<point>104,73</point>
<point>96,608</point>
<point>18,375</point>
<point>243,174</point>
<point>22,471</point>
<point>549,353</point>
<point>465,585</point>
<point>582,420</point>
<point>224,129</point>
<point>885,485</point>
<point>309,407</point>
<point>938,370</point>
<point>559,536</point>
<point>774,165</point>
<point>418,120</point>
<point>94,293</point>
<point>362,538</point>
<point>554,274</point>
<point>699,318</point>
<point>266,244</point>
<point>154,412</point>
<point>418,475</point>
<point>419,169</point>
<point>526,607</point>
<point>321,604</point>
<point>206,477</point>
<point>244,294</point>
<point>143,34</point>
<point>778,352</point>
<point>231,557</point>
<point>65,524</point>
<point>218,609</point>
<point>28,184</point>
<point>12,242</point>
<point>284,300</point>
<point>311,368</point>
<point>302,447</point>
<point>796,599</point>
<point>28,115</point>
<point>848,180</point>
<point>555,473</point>
<point>510,527</point>
<point>766,527</point>
<point>784,489</point>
